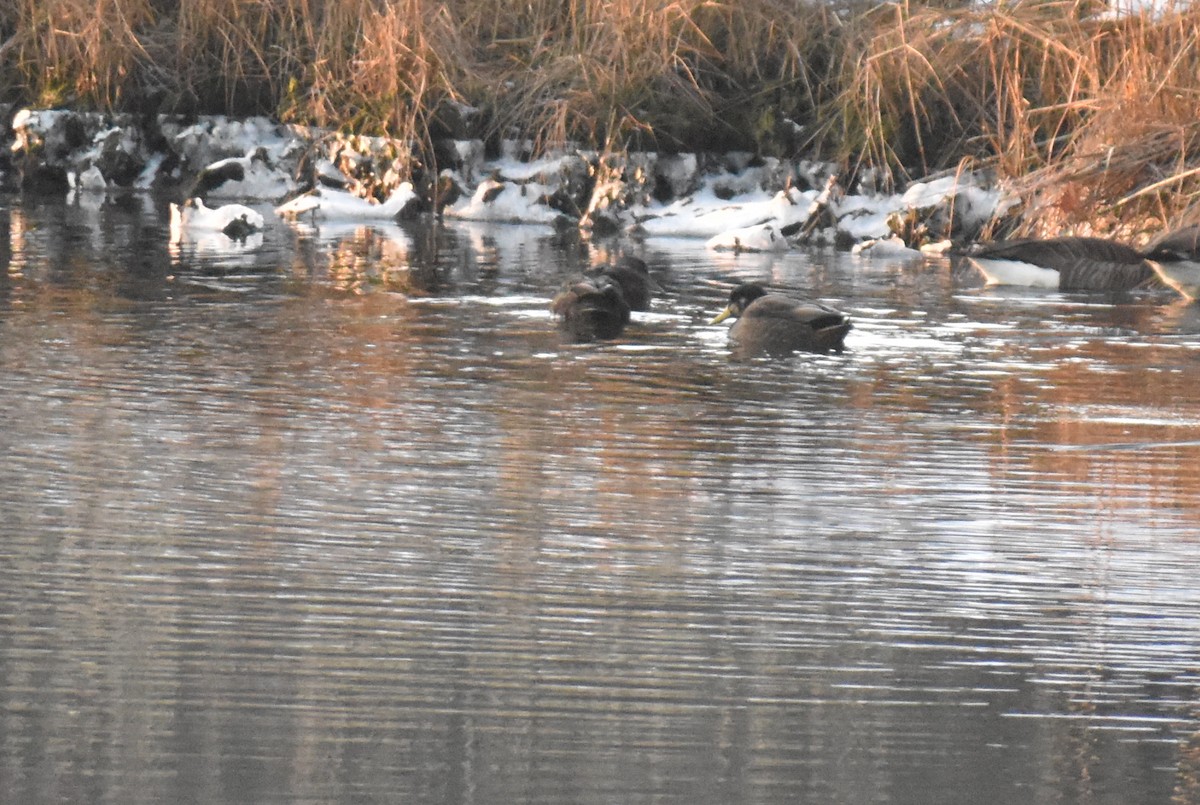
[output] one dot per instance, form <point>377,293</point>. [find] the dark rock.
<point>40,177</point>
<point>215,175</point>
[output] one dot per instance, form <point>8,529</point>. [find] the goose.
<point>1175,258</point>
<point>1066,264</point>
<point>774,324</point>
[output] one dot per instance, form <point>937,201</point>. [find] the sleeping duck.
<point>591,308</point>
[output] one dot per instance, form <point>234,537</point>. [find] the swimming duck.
<point>591,308</point>
<point>235,220</point>
<point>773,324</point>
<point>1067,264</point>
<point>1175,258</point>
<point>633,277</point>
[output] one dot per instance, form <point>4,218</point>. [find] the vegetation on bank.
<point>1093,119</point>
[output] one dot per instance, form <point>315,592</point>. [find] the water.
<point>342,519</point>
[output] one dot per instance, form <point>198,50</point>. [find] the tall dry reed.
<point>1091,119</point>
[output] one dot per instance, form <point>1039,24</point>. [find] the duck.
<point>331,204</point>
<point>1065,264</point>
<point>774,324</point>
<point>591,309</point>
<point>633,277</point>
<point>237,221</point>
<point>1175,258</point>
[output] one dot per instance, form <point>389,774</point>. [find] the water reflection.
<point>347,519</point>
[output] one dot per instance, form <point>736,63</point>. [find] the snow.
<point>91,180</point>
<point>1154,9</point>
<point>889,247</point>
<point>734,203</point>
<point>972,204</point>
<point>758,238</point>
<point>707,215</point>
<point>515,170</point>
<point>327,203</point>
<point>506,202</point>
<point>218,137</point>
<point>145,179</point>
<point>866,217</point>
<point>193,217</point>
<point>261,181</point>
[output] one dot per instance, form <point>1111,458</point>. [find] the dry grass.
<point>1092,121</point>
<point>609,73</point>
<point>78,49</point>
<point>1132,163</point>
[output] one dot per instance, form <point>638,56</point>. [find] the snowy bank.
<point>734,202</point>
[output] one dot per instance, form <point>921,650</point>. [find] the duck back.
<point>590,310</point>
<point>777,325</point>
<point>633,277</point>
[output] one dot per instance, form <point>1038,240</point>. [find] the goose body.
<point>1067,264</point>
<point>1175,258</point>
<point>235,220</point>
<point>331,204</point>
<point>774,324</point>
<point>591,309</point>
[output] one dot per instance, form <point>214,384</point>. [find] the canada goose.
<point>591,308</point>
<point>773,324</point>
<point>1175,258</point>
<point>1068,264</point>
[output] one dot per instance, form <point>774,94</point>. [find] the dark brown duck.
<point>774,324</point>
<point>590,309</point>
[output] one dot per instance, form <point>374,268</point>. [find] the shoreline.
<point>734,201</point>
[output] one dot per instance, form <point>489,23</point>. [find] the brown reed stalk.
<point>1090,119</point>
<point>61,50</point>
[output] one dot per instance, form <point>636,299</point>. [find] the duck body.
<point>1175,258</point>
<point>633,277</point>
<point>591,309</point>
<point>234,220</point>
<point>774,324</point>
<point>1065,264</point>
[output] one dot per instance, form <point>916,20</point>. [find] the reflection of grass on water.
<point>364,259</point>
<point>1099,111</point>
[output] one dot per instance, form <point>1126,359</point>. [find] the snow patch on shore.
<point>733,202</point>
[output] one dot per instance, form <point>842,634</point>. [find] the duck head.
<point>740,298</point>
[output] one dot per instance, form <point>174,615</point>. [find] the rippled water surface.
<point>339,517</point>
